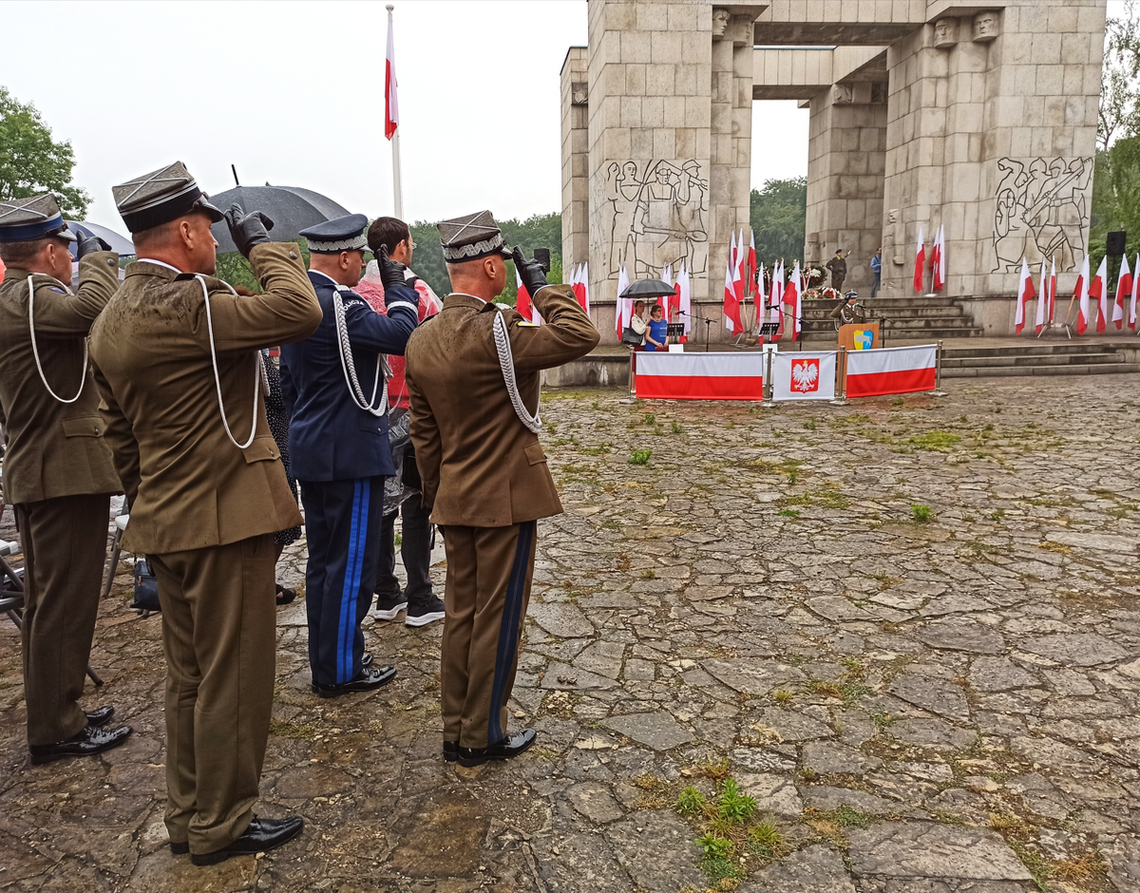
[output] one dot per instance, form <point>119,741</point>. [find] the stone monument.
<point>977,117</point>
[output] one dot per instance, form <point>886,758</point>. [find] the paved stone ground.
<point>944,707</point>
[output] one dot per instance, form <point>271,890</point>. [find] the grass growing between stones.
<point>734,841</point>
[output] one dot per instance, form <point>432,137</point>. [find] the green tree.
<point>778,215</point>
<point>1119,112</point>
<point>32,162</point>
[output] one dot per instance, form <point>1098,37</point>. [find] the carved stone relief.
<point>653,214</point>
<point>985,26</point>
<point>578,93</point>
<point>945,33</point>
<point>1041,210</point>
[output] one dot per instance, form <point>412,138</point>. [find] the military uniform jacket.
<point>330,437</point>
<point>54,449</point>
<point>190,487</point>
<point>838,266</point>
<point>481,467</point>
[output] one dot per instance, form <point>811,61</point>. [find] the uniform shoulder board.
<point>57,290</point>
<point>529,325</point>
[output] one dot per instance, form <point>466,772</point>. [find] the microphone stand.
<point>707,321</point>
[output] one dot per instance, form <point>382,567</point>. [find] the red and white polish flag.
<point>700,376</point>
<point>1081,292</point>
<point>1135,294</point>
<point>732,320</point>
<point>1025,293</point>
<point>793,294</point>
<point>1098,289</point>
<point>938,260</point>
<point>891,370</point>
<point>1052,287</point>
<point>391,107</point>
<point>1123,287</point>
<point>919,262</point>
<point>1042,299</point>
<point>624,305</point>
<point>522,300</point>
<point>752,263</point>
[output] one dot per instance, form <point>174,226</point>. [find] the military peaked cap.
<point>471,237</point>
<point>161,196</point>
<point>337,235</point>
<point>35,217</point>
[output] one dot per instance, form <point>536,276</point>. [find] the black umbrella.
<point>645,289</point>
<point>291,209</point>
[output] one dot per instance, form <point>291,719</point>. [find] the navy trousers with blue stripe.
<point>489,571</point>
<point>342,528</point>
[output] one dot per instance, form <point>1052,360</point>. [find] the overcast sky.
<point>293,94</point>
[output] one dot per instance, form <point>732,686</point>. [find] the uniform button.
<point>293,254</point>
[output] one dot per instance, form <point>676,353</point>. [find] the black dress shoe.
<point>87,743</point>
<point>450,751</point>
<point>511,746</point>
<point>260,836</point>
<point>181,848</point>
<point>365,663</point>
<point>369,679</point>
<point>100,716</point>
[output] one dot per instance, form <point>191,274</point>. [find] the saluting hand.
<point>87,244</point>
<point>247,230</point>
<point>530,271</point>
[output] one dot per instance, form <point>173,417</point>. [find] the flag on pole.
<point>1042,299</point>
<point>624,309</point>
<point>1081,292</point>
<point>522,301</point>
<point>938,260</point>
<point>732,251</point>
<point>686,300</point>
<point>1123,287</point>
<point>1098,289</point>
<point>792,295</point>
<point>777,297</point>
<point>919,262</point>
<point>586,286</point>
<point>391,108</point>
<point>758,300</point>
<point>752,265</point>
<point>1135,294</point>
<point>1052,288</point>
<point>731,302</point>
<point>1025,294</point>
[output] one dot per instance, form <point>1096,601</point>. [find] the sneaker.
<point>425,612</point>
<point>388,606</point>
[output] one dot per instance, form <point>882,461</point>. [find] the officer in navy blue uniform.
<point>334,385</point>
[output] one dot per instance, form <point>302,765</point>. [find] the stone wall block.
<point>665,46</point>
<point>652,16</point>
<point>636,47</point>
<point>664,144</point>
<point>659,79</point>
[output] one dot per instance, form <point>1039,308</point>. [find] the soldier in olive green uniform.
<point>57,470</point>
<point>177,358</point>
<point>473,380</point>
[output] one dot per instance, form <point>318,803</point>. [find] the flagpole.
<point>397,185</point>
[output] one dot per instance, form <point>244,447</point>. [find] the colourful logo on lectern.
<point>864,339</point>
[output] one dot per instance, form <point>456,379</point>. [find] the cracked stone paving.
<point>904,627</point>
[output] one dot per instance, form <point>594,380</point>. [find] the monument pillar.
<point>575,158</point>
<point>846,161</point>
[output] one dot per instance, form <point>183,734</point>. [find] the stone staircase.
<point>902,318</point>
<point>1065,358</point>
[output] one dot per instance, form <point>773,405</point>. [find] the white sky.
<point>293,93</point>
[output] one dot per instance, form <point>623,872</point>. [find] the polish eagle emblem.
<point>805,376</point>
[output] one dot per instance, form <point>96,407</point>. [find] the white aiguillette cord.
<point>36,349</point>
<point>507,364</point>
<point>349,366</point>
<point>258,377</point>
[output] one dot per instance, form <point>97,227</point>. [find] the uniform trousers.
<point>342,528</point>
<point>64,541</point>
<point>489,572</point>
<point>415,551</point>
<point>219,616</point>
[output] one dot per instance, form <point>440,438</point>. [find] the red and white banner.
<point>891,370</point>
<point>700,376</point>
<point>1081,293</point>
<point>800,375</point>
<point>1098,289</point>
<point>391,108</point>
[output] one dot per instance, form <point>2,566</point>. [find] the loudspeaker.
<point>1115,243</point>
<point>542,255</point>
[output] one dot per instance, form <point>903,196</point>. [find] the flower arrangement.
<point>813,277</point>
<point>822,294</point>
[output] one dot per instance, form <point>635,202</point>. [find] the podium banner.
<point>891,370</point>
<point>700,376</point>
<point>804,375</point>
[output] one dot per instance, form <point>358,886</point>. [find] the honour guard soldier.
<point>473,380</point>
<point>177,355</point>
<point>336,387</point>
<point>57,471</point>
<point>838,267</point>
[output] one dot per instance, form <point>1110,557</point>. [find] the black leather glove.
<point>392,272</point>
<point>247,230</point>
<point>87,244</point>
<point>530,271</point>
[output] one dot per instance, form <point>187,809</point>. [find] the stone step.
<point>891,315</point>
<point>931,335</point>
<point>991,362</point>
<point>1006,371</point>
<point>1027,350</point>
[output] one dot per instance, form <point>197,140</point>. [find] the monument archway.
<point>977,117</point>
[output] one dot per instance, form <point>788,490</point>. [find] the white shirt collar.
<point>466,295</point>
<point>159,263</point>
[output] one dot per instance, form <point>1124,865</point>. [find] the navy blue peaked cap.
<point>337,235</point>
